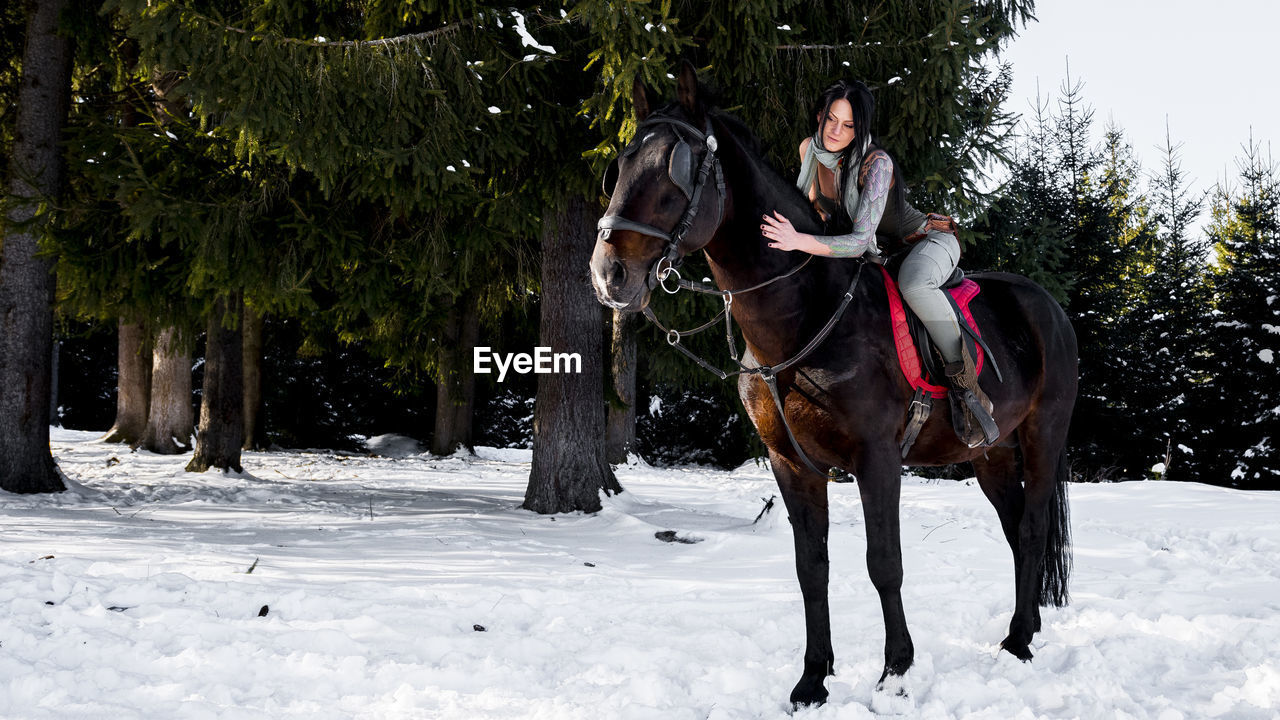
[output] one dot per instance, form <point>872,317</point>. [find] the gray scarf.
<point>818,153</point>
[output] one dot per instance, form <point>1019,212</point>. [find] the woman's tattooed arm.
<point>866,218</point>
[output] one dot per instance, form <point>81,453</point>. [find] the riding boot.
<point>970,407</point>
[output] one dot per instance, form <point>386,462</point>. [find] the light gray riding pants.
<point>928,264</point>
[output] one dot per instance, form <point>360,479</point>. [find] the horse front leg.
<point>880,485</point>
<point>805,495</point>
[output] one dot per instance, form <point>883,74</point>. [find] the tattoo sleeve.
<point>875,193</point>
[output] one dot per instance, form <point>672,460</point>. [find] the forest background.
<point>298,218</point>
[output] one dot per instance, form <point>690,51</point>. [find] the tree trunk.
<point>443,438</point>
<point>254,434</point>
<point>55,414</point>
<point>456,390</point>
<point>466,405</point>
<point>221,432</point>
<point>26,280</point>
<point>170,420</point>
<point>569,468</point>
<point>620,432</point>
<point>133,384</point>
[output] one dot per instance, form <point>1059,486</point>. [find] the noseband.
<point>671,258</point>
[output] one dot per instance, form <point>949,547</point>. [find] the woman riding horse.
<point>874,201</point>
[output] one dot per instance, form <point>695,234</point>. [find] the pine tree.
<point>1024,228</point>
<point>1072,217</point>
<point>347,214</point>
<point>1123,356</point>
<point>1105,230</point>
<point>1171,322</point>
<point>1243,399</point>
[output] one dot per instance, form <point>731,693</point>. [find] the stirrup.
<point>975,410</point>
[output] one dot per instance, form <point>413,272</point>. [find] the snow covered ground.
<point>415,587</point>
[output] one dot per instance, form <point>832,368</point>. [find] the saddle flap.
<point>915,354</point>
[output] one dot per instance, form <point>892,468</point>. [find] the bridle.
<point>680,171</point>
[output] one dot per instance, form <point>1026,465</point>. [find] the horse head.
<point>666,197</point>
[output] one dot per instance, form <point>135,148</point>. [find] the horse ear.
<point>687,89</point>
<point>640,99</point>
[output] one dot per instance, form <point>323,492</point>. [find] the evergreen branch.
<point>848,46</point>
<point>413,37</point>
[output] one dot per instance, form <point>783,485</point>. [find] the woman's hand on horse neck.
<point>783,236</point>
<point>875,194</point>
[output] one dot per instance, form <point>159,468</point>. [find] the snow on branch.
<point>399,39</point>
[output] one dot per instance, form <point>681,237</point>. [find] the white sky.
<point>1210,67</point>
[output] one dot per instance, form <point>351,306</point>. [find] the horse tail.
<point>1057,551</point>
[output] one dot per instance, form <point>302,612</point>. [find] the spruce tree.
<point>1172,322</point>
<point>1072,217</point>
<point>324,188</point>
<point>1241,401</point>
<point>1024,228</point>
<point>1104,229</point>
<point>1122,355</point>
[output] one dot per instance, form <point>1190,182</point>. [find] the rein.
<point>768,373</point>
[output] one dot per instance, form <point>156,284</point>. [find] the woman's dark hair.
<point>864,109</point>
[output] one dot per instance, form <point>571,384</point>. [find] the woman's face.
<point>837,126</point>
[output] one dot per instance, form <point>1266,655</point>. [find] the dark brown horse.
<point>845,401</point>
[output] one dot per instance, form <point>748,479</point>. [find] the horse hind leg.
<point>999,473</point>
<point>1044,546</point>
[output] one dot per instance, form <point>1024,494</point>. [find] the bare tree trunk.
<point>254,435</point>
<point>443,437</point>
<point>55,415</point>
<point>456,390</point>
<point>170,421</point>
<point>26,279</point>
<point>569,468</point>
<point>133,384</point>
<point>620,432</point>
<point>221,432</point>
<point>465,408</point>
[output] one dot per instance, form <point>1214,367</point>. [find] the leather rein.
<point>667,263</point>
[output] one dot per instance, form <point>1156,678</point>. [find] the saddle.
<point>920,362</point>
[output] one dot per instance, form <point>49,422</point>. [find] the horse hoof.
<point>892,696</point>
<point>1017,649</point>
<point>808,693</point>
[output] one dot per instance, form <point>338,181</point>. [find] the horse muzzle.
<point>617,284</point>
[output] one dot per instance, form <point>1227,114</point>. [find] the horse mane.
<point>774,190</point>
<point>770,182</point>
